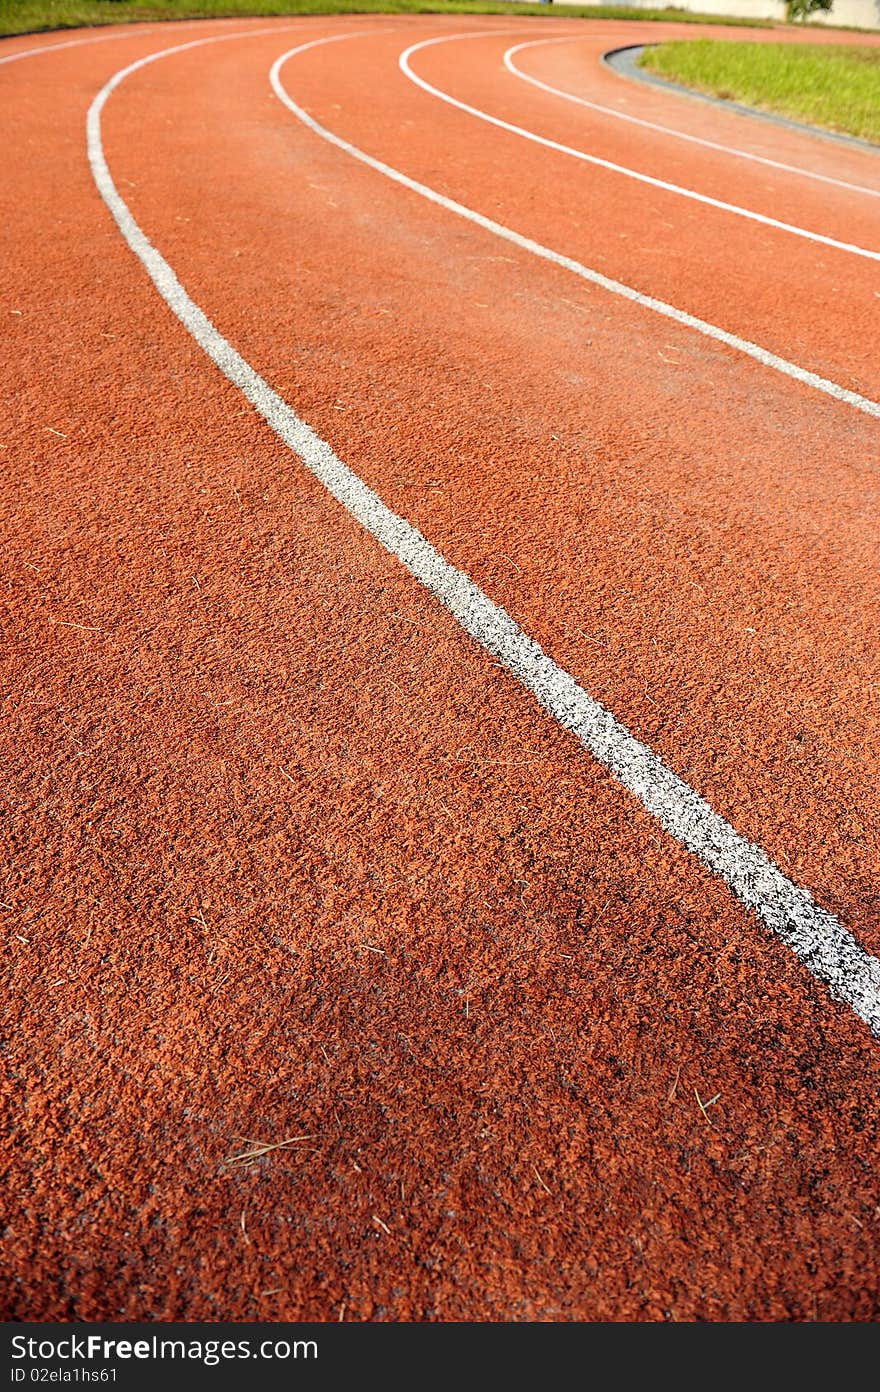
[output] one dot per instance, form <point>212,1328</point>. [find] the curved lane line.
<point>734,208</point>
<point>124,32</point>
<point>821,942</point>
<point>668,130</point>
<point>615,287</point>
<point>120,32</point>
<point>71,43</point>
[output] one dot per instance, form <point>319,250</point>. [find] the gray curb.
<point>625,62</point>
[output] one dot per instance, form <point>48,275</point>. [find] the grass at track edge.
<point>836,87</point>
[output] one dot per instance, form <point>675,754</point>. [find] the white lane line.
<point>615,287</point>
<point>668,130</point>
<point>126,33</point>
<point>850,247</point>
<point>77,43</point>
<point>123,32</point>
<point>69,43</point>
<point>820,941</point>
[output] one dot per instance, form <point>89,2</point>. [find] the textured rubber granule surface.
<point>285,854</point>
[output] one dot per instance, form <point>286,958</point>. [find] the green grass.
<point>832,86</point>
<point>26,16</point>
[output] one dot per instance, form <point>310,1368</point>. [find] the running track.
<point>568,1010</point>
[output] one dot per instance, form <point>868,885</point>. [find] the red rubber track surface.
<point>286,854</point>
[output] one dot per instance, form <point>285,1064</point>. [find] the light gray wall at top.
<point>861,14</point>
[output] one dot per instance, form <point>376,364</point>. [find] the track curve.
<point>290,856</point>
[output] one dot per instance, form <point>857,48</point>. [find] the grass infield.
<point>837,87</point>
<point>29,16</point>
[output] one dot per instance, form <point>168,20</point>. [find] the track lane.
<point>485,1239</point>
<point>819,940</point>
<point>624,171</point>
<point>569,265</point>
<point>515,56</point>
<point>756,766</point>
<point>577,66</point>
<point>811,304</point>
